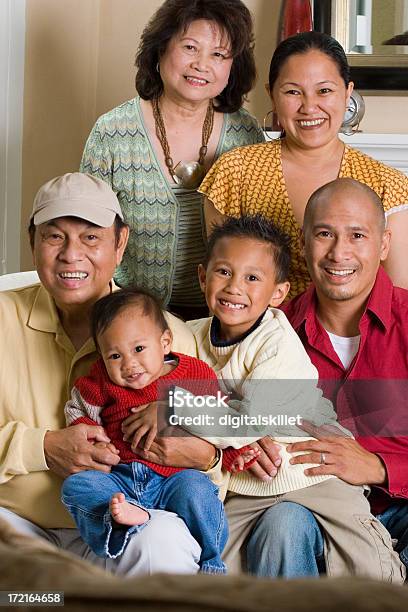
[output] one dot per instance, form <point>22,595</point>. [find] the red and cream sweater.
<point>95,400</point>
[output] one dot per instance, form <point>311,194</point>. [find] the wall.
<point>62,41</point>
<point>79,64</point>
<point>12,59</point>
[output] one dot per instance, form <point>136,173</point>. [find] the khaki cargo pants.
<point>356,543</point>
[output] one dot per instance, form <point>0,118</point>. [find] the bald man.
<point>354,325</point>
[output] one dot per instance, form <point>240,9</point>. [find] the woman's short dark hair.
<point>304,42</point>
<point>174,16</point>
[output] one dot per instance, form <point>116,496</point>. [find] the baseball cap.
<point>76,195</point>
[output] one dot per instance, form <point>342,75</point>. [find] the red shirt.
<point>97,390</point>
<point>371,396</point>
<point>114,403</point>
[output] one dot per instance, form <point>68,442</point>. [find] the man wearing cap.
<point>77,237</point>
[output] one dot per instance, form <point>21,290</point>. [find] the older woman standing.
<point>194,66</point>
<point>309,84</point>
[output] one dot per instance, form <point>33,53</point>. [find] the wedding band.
<point>322,459</point>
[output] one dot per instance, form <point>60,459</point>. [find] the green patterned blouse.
<point>159,256</point>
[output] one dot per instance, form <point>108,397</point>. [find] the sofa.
<point>29,564</point>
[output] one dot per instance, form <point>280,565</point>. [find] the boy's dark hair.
<point>256,227</point>
<point>107,308</point>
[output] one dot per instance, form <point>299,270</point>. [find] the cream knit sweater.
<point>271,351</point>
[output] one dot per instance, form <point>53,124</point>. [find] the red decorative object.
<point>296,16</point>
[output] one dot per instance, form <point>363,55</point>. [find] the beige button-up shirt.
<point>38,366</point>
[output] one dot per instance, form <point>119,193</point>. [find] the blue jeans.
<point>188,493</point>
<point>287,540</point>
<point>395,520</point>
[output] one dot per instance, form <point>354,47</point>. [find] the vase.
<point>296,16</point>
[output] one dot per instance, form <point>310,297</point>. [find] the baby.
<point>134,341</point>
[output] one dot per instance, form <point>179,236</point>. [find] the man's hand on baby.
<point>238,465</point>
<point>74,449</point>
<point>186,452</point>
<point>171,448</point>
<point>107,445</point>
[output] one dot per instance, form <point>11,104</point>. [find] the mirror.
<point>374,34</point>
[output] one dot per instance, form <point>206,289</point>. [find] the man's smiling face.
<point>76,260</point>
<point>344,243</point>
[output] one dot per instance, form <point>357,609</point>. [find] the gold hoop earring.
<point>271,112</point>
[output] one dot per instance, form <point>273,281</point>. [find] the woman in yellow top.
<point>309,84</point>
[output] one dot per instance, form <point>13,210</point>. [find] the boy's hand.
<point>144,425</point>
<point>267,465</point>
<point>131,424</point>
<point>238,465</point>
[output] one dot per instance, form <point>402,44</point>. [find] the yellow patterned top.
<point>250,180</point>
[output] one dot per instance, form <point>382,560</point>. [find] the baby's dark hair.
<point>256,227</point>
<point>107,308</point>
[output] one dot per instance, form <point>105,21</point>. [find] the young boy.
<point>133,338</point>
<point>248,341</point>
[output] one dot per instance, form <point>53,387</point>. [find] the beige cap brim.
<point>76,207</point>
<point>76,195</point>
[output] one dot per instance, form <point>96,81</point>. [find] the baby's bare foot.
<point>125,513</point>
